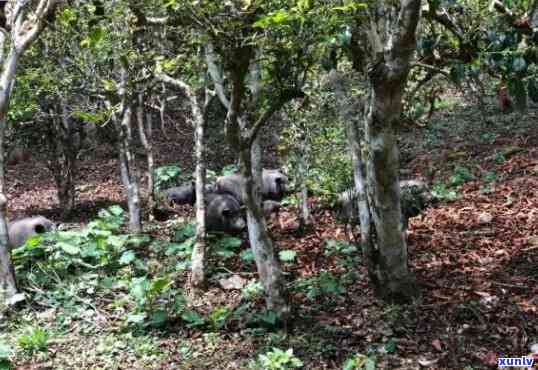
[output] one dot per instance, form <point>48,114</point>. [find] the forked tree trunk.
<point>129,174</point>
<point>244,138</point>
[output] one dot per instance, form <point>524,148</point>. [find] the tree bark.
<point>22,32</point>
<point>388,78</point>
<point>128,169</point>
<point>63,163</point>
<point>8,284</point>
<point>145,130</point>
<point>302,173</point>
<point>359,177</point>
<point>244,138</point>
<point>260,242</point>
<point>198,110</point>
<point>199,259</point>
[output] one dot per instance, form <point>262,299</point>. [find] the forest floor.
<point>475,258</point>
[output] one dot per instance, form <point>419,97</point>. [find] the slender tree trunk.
<point>63,163</point>
<point>145,133</point>
<point>128,169</point>
<point>260,241</point>
<point>197,278</point>
<point>8,283</point>
<point>359,177</point>
<point>21,32</point>
<point>162,110</point>
<point>302,174</point>
<point>198,110</point>
<point>352,114</point>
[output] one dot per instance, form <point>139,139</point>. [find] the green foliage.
<point>229,170</point>
<point>35,340</point>
<point>156,302</point>
<point>5,353</point>
<point>226,246</point>
<point>360,362</point>
<point>184,233</point>
<point>461,176</point>
<point>278,359</point>
<point>167,177</point>
<point>499,158</point>
<point>193,319</point>
<point>489,177</point>
<point>339,247</point>
<point>325,284</point>
<point>218,317</point>
<point>287,255</point>
<point>252,291</point>
<point>247,255</point>
<point>347,256</point>
<point>440,191</point>
<point>98,246</point>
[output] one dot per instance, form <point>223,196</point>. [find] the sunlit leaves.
<point>93,38</point>
<point>349,7</point>
<point>67,17</point>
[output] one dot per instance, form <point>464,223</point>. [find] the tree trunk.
<point>199,112</point>
<point>388,77</point>
<point>352,114</point>
<point>359,177</point>
<point>162,109</point>
<point>8,284</point>
<point>302,172</point>
<point>260,242</point>
<point>23,30</point>
<point>128,169</point>
<point>145,132</point>
<point>197,278</point>
<point>63,163</point>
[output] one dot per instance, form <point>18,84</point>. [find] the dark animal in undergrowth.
<point>274,185</point>
<point>415,196</point>
<point>223,213</point>
<point>21,230</point>
<point>184,194</point>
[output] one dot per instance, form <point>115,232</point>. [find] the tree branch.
<point>216,76</point>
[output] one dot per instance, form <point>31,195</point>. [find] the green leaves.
<point>287,255</point>
<point>93,39</point>
<point>350,6</point>
<point>5,353</point>
<point>167,176</point>
<point>277,18</point>
<point>278,359</point>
